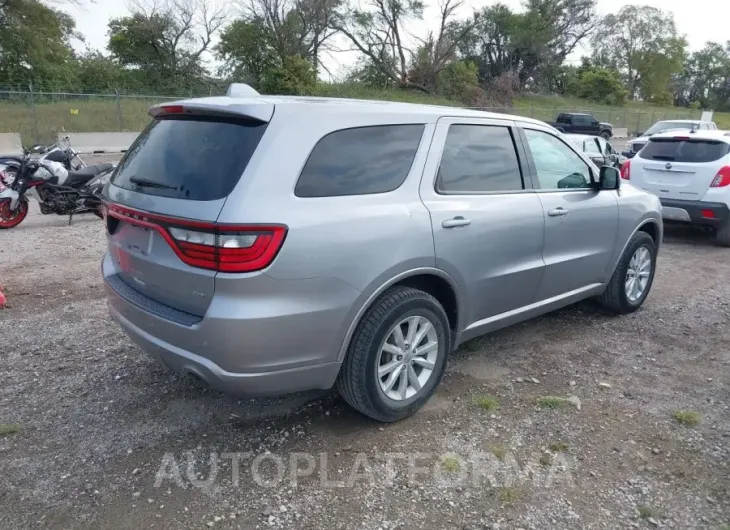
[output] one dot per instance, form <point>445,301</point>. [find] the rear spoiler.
<point>241,101</point>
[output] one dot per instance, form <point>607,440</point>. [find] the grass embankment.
<point>95,113</point>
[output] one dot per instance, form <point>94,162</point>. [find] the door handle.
<point>558,212</point>
<point>455,222</point>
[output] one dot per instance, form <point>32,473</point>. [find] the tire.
<point>615,297</point>
<point>606,135</point>
<point>358,382</point>
<point>6,221</point>
<point>723,235</point>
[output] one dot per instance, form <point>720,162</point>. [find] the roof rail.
<point>238,90</point>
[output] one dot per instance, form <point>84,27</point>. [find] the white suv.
<point>690,173</point>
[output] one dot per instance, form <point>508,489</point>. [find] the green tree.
<point>35,45</point>
<point>601,85</point>
<point>533,43</point>
<point>246,51</point>
<point>641,43</point>
<point>295,76</point>
<point>163,41</point>
<point>457,79</point>
<point>379,32</point>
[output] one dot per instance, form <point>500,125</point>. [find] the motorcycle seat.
<point>76,179</point>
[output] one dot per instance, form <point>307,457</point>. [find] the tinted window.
<point>189,158</point>
<point>557,166</point>
<point>563,118</point>
<point>673,150</point>
<point>360,161</point>
<point>478,158</point>
<point>581,120</point>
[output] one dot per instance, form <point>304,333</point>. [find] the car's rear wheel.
<point>723,235</point>
<point>606,135</point>
<point>633,277</point>
<point>397,355</point>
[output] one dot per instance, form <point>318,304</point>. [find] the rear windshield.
<point>198,159</point>
<point>674,150</point>
<point>662,126</point>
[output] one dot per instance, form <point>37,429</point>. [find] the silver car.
<point>275,244</point>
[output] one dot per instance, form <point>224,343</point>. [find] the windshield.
<point>662,126</point>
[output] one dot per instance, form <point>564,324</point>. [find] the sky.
<point>698,20</point>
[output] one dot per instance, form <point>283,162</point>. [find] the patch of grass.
<point>559,447</point>
<point>488,403</point>
<point>451,464</point>
<point>499,450</point>
<point>10,428</point>
<point>689,418</point>
<point>510,495</point>
<point>546,460</point>
<point>645,512</point>
<point>551,402</point>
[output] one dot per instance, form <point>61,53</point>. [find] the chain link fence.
<point>40,115</point>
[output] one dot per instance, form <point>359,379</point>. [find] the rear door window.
<point>198,159</point>
<point>360,161</point>
<point>679,150</point>
<point>479,159</point>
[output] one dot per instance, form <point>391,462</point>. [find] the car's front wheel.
<point>633,277</point>
<point>397,355</point>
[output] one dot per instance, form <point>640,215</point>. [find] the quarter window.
<point>557,166</point>
<point>591,147</point>
<point>478,159</point>
<point>360,161</point>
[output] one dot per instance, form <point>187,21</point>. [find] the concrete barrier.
<point>10,144</point>
<point>621,132</point>
<point>89,143</point>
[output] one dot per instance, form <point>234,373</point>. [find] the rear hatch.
<point>166,195</point>
<point>678,167</point>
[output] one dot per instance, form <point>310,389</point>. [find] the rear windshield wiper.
<point>663,157</point>
<point>147,183</point>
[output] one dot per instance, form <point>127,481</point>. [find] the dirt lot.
<point>101,437</point>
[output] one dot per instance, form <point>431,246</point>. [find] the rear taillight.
<point>722,178</point>
<point>626,170</point>
<point>220,247</point>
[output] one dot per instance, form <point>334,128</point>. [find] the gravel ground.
<point>108,439</point>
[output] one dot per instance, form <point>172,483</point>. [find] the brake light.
<point>722,178</point>
<point>707,214</point>
<point>686,138</point>
<point>626,170</point>
<point>214,246</point>
<point>173,109</point>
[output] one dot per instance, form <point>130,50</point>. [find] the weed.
<point>689,418</point>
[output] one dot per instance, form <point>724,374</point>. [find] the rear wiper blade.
<point>662,157</point>
<point>147,183</point>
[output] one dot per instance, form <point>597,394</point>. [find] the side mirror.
<point>609,179</point>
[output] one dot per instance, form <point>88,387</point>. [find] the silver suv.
<point>275,244</point>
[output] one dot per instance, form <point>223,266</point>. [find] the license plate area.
<point>134,239</point>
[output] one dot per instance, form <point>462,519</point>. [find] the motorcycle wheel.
<point>10,219</point>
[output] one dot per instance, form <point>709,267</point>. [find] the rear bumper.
<point>250,343</point>
<point>693,212</point>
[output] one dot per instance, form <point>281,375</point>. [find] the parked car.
<point>638,144</point>
<point>578,123</point>
<point>690,173</point>
<point>600,151</point>
<point>277,244</point>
